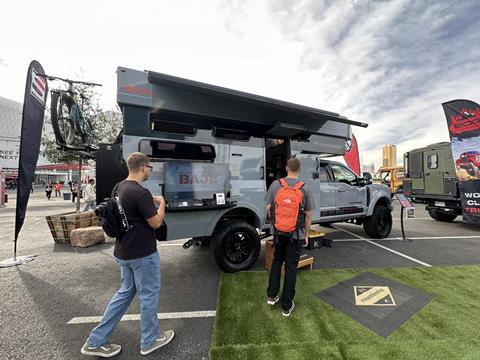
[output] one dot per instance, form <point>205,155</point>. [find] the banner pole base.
<point>20,260</point>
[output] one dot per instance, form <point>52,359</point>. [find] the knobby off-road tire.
<point>441,216</point>
<point>236,246</point>
<point>379,224</point>
<point>64,133</point>
<point>472,169</point>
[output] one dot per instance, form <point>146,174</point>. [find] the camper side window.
<point>432,161</point>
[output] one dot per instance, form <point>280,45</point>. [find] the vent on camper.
<point>173,150</point>
<point>166,126</point>
<point>231,134</point>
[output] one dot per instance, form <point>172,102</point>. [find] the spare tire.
<point>236,246</point>
<point>441,216</point>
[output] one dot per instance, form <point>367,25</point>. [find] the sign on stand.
<point>405,204</point>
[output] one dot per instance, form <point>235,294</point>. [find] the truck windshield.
<point>382,175</point>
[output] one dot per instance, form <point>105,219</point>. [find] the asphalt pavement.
<point>65,284</point>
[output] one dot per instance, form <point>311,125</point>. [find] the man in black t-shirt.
<point>137,256</point>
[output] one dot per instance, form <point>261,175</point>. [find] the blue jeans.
<point>90,204</point>
<point>140,276</point>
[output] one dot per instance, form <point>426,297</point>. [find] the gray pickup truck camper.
<point>215,151</point>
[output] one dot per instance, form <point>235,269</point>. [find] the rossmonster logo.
<point>348,145</point>
<point>467,120</point>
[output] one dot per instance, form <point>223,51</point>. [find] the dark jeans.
<point>286,251</point>
<point>74,195</point>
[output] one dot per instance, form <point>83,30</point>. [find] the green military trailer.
<point>431,179</point>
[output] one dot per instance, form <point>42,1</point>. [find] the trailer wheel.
<point>236,246</point>
<point>441,216</point>
<point>379,224</point>
<point>472,169</point>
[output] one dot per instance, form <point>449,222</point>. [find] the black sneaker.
<point>163,340</point>
<point>272,301</point>
<point>289,311</point>
<point>107,350</point>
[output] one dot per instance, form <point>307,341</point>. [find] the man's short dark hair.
<point>91,181</point>
<point>293,164</point>
<point>136,160</point>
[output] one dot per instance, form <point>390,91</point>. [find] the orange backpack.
<point>288,202</point>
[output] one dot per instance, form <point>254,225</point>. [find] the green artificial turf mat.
<point>447,328</point>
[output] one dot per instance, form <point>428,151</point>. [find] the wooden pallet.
<point>61,225</point>
<point>306,261</point>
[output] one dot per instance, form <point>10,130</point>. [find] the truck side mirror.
<point>367,176</point>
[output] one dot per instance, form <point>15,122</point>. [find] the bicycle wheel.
<point>62,125</point>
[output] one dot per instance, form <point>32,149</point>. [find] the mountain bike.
<point>66,109</point>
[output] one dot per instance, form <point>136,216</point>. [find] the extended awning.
<point>210,106</point>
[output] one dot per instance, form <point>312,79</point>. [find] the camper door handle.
<point>427,174</point>
<point>262,169</point>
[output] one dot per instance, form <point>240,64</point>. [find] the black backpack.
<point>112,217</point>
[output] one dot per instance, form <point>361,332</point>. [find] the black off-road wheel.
<point>236,246</point>
<point>379,224</point>
<point>472,169</point>
<point>441,216</point>
<point>59,112</point>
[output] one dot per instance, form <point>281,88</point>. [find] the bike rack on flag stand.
<point>405,204</point>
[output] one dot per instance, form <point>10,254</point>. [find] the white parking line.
<point>136,317</point>
<point>384,247</point>
<point>413,238</point>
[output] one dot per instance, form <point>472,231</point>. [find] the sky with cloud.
<point>388,63</point>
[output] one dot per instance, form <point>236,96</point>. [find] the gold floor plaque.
<point>373,296</point>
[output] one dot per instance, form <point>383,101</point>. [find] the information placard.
<point>403,200</point>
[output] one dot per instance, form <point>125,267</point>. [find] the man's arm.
<point>308,224</point>
<point>156,221</point>
<point>269,207</point>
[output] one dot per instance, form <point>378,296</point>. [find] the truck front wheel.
<point>379,224</point>
<point>472,169</point>
<point>441,216</point>
<point>236,246</point>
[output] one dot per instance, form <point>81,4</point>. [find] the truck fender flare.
<point>382,200</point>
<point>243,209</point>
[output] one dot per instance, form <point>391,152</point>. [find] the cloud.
<point>389,63</point>
<point>3,63</point>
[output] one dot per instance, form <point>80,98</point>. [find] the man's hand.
<point>305,242</point>
<point>158,200</point>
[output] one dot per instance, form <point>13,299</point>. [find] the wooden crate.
<point>306,261</point>
<point>61,225</point>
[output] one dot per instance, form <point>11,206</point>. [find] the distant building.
<point>10,124</point>
<point>389,155</point>
<point>370,168</point>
